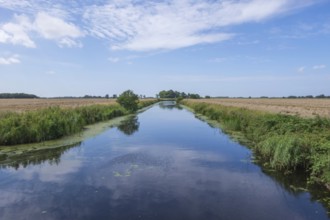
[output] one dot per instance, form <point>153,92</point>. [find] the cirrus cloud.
<point>139,25</point>
<point>318,67</point>
<point>152,25</point>
<point>14,59</point>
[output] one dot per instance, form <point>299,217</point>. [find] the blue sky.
<point>210,47</point>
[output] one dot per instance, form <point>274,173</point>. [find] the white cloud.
<point>54,28</point>
<point>16,32</point>
<point>318,67</point>
<point>218,60</point>
<point>174,24</point>
<point>301,69</point>
<point>68,42</point>
<point>139,25</point>
<point>50,72</point>
<point>14,59</point>
<point>113,59</point>
<point>19,30</point>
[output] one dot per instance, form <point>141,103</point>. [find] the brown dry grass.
<point>301,107</point>
<point>21,105</point>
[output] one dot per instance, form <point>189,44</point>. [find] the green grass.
<point>282,142</point>
<point>54,122</point>
<point>145,103</point>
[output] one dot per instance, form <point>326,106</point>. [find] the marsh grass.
<point>55,122</point>
<point>282,142</point>
<point>52,123</point>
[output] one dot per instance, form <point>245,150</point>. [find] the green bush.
<point>129,100</point>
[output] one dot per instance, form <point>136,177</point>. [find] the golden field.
<point>21,105</point>
<point>301,107</point>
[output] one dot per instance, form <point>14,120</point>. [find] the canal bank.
<point>161,164</point>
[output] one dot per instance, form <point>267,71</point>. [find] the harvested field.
<point>301,107</point>
<point>21,105</point>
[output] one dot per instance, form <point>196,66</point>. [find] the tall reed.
<point>282,142</point>
<point>52,123</point>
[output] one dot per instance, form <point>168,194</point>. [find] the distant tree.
<point>193,96</point>
<point>207,97</point>
<point>171,94</point>
<point>17,95</point>
<point>106,96</point>
<point>129,100</point>
<point>322,96</point>
<point>114,96</point>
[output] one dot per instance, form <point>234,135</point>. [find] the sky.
<point>211,47</point>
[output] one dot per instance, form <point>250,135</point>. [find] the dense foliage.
<point>51,123</point>
<point>17,96</point>
<point>55,122</point>
<point>282,142</point>
<point>129,100</point>
<point>170,94</point>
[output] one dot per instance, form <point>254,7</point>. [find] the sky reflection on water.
<point>167,165</point>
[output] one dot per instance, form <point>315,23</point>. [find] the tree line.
<point>17,96</point>
<point>171,94</point>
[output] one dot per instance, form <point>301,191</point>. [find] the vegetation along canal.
<point>160,164</point>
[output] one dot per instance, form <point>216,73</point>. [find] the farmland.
<point>21,105</point>
<point>301,107</point>
<point>36,120</point>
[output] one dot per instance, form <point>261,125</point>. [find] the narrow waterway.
<point>161,164</point>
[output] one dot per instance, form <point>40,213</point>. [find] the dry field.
<point>301,107</point>
<point>21,105</point>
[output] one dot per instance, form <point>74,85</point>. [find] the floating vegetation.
<point>127,172</point>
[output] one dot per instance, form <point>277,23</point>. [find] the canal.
<point>163,163</point>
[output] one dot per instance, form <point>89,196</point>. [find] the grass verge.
<point>55,122</point>
<point>282,142</point>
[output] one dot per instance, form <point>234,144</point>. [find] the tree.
<point>128,100</point>
<point>106,96</point>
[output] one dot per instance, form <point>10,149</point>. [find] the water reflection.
<point>33,156</point>
<point>129,126</point>
<point>297,184</point>
<point>173,167</point>
<point>170,105</point>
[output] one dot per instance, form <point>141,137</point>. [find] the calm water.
<point>162,164</point>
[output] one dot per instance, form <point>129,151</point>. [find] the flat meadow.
<point>22,105</point>
<point>301,107</point>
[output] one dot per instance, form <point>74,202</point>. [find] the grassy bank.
<point>54,122</point>
<point>147,102</point>
<point>282,142</point>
